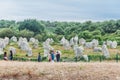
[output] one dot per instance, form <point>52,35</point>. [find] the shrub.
<point>39,37</point>
<point>26,33</point>
<point>6,32</point>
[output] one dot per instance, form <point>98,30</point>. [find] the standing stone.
<point>1,52</point>
<point>97,49</point>
<point>32,40</point>
<point>35,44</point>
<point>65,43</point>
<point>105,51</point>
<point>88,45</point>
<point>13,50</point>
<point>85,57</point>
<point>14,39</point>
<point>95,43</point>
<point>2,45</point>
<point>4,42</point>
<point>47,47</point>
<point>71,42</point>
<point>75,40</point>
<point>62,40</point>
<point>24,45</point>
<point>82,41</point>
<point>78,51</point>
<point>49,41</point>
<point>108,42</point>
<point>113,45</point>
<point>29,52</point>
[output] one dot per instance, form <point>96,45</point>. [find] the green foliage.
<point>39,37</point>
<point>32,25</point>
<point>69,36</point>
<point>118,40</point>
<point>86,35</point>
<point>6,32</point>
<point>59,31</point>
<point>117,32</point>
<point>95,57</point>
<point>96,32</point>
<point>6,23</point>
<point>107,30</point>
<point>26,33</point>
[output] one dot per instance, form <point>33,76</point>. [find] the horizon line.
<point>92,20</point>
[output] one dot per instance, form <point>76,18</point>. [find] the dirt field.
<point>59,71</point>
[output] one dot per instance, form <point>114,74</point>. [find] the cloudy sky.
<point>60,10</point>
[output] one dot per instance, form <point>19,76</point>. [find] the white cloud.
<point>60,9</point>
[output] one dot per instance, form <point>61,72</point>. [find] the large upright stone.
<point>75,40</point>
<point>14,39</point>
<point>13,50</point>
<point>24,45</point>
<point>113,44</point>
<point>71,42</point>
<point>78,51</point>
<point>32,40</point>
<point>108,42</point>
<point>82,41</point>
<point>47,47</point>
<point>62,40</point>
<point>65,43</point>
<point>88,45</point>
<point>95,43</point>
<point>1,52</point>
<point>105,51</point>
<point>85,57</point>
<point>97,49</point>
<point>29,52</point>
<point>49,41</point>
<point>35,44</point>
<point>4,42</point>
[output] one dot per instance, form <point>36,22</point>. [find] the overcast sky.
<point>60,10</point>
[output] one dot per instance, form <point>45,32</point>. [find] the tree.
<point>39,37</point>
<point>96,32</point>
<point>117,32</point>
<point>86,35</point>
<point>26,33</point>
<point>109,26</point>
<point>59,31</point>
<point>31,25</point>
<point>6,32</point>
<point>6,23</point>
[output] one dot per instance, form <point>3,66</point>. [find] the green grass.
<point>67,55</point>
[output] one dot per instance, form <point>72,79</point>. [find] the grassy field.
<point>59,71</point>
<point>67,55</point>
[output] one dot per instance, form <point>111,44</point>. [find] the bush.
<point>86,35</point>
<point>95,57</point>
<point>6,32</point>
<point>39,37</point>
<point>98,37</point>
<point>31,25</point>
<point>26,33</point>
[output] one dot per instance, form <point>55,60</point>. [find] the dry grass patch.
<point>59,71</point>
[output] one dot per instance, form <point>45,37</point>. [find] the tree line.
<point>106,30</point>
